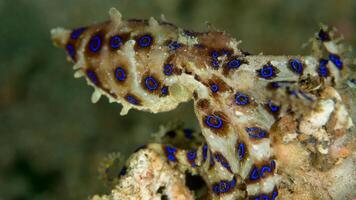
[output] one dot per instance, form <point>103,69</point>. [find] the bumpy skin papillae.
<point>154,66</point>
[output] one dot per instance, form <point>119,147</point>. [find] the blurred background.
<point>52,138</point>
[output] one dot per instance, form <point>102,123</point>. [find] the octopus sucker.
<point>252,109</point>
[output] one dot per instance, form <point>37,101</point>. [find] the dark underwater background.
<point>52,138</point>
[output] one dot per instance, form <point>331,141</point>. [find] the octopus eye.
<point>115,42</point>
<point>323,36</point>
<point>120,74</point>
<point>145,41</point>
<point>95,44</point>
<point>296,66</point>
<point>151,83</point>
<point>213,121</point>
<point>241,99</point>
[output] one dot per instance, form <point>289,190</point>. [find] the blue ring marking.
<point>274,195</point>
<point>241,99</point>
<point>264,197</point>
<point>254,174</point>
<point>173,45</point>
<point>215,54</point>
<point>131,99</point>
<point>273,107</point>
<point>188,133</point>
<point>323,35</point>
<point>115,42</point>
<point>215,63</point>
<point>171,157</point>
<point>205,152</point>
<point>151,83</point>
<point>217,121</point>
<point>241,150</point>
<point>234,64</point>
<point>171,149</point>
<point>222,160</point>
<point>265,169</point>
<point>120,74</point>
<point>224,186</point>
<point>192,155</point>
<point>145,41</point>
<point>214,88</point>
<point>170,153</point>
<point>71,51</point>
<point>123,171</point>
<point>95,44</point>
<point>296,66</point>
<point>267,71</point>
<point>76,33</point>
<point>323,70</point>
<point>233,182</point>
<point>256,132</point>
<point>92,76</point>
<point>336,60</point>
<point>164,90</point>
<point>168,69</point>
<point>216,188</point>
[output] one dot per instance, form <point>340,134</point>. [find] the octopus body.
<point>238,97</point>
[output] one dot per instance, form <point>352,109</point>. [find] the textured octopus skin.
<point>154,66</point>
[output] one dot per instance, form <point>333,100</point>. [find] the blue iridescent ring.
<point>145,41</point>
<point>214,88</point>
<point>76,33</point>
<point>256,132</point>
<point>95,44</point>
<point>213,121</point>
<point>92,76</point>
<point>120,74</point>
<point>241,150</point>
<point>272,107</point>
<point>215,54</point>
<point>71,51</point>
<point>151,83</point>
<point>115,42</point>
<point>241,99</point>
<point>296,66</point>
<point>323,69</point>
<point>336,60</point>
<point>267,71</point>
<point>168,69</point>
<point>254,174</point>
<point>131,99</point>
<point>234,63</point>
<point>164,90</point>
